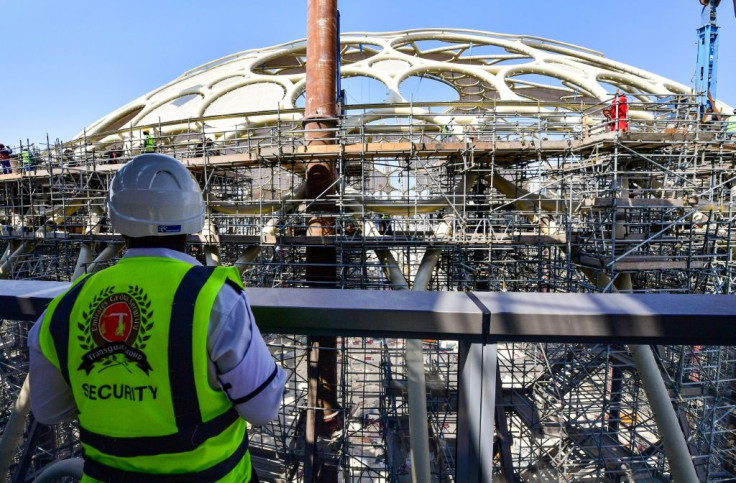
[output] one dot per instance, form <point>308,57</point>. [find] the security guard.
<point>158,356</point>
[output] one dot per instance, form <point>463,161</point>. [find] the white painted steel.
<point>479,67</point>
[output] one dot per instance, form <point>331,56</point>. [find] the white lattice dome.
<point>477,67</point>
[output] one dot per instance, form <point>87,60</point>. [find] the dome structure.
<point>255,86</point>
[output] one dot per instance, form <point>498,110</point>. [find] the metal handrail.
<point>541,317</point>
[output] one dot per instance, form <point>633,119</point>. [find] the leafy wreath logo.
<point>115,330</point>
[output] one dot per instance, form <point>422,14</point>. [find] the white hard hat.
<point>155,195</point>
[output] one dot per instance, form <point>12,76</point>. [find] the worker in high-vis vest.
<point>158,356</point>
<point>149,144</point>
<point>25,157</point>
<point>730,124</point>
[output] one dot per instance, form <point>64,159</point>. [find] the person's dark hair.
<point>174,242</point>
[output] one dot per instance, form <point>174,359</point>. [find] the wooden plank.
<point>636,202</point>
<point>642,263</point>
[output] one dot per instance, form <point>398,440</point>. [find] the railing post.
<point>476,412</point>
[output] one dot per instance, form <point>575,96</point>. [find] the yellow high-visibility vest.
<point>131,343</point>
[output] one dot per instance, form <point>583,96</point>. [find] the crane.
<point>707,67</point>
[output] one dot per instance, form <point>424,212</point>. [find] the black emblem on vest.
<point>115,330</point>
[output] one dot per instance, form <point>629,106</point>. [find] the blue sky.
<point>65,64</point>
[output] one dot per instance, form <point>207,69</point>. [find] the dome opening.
<point>364,90</point>
<point>427,89</point>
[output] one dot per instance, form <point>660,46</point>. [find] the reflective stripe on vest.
<point>105,473</point>
<point>198,439</point>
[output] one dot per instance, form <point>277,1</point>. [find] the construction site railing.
<point>478,321</point>
<point>473,317</point>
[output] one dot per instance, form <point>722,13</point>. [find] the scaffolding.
<point>518,202</point>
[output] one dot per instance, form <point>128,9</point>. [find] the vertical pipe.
<point>616,396</point>
<point>319,125</point>
<point>614,392</point>
<point>321,110</point>
<point>310,443</point>
<point>321,61</point>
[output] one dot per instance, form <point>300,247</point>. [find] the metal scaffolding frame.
<point>513,202</point>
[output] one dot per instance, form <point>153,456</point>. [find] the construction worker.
<point>27,160</point>
<point>447,130</point>
<point>610,125</point>
<point>5,152</point>
<point>149,144</point>
<point>159,356</point>
<point>730,125</point>
<point>619,112</point>
<point>446,133</point>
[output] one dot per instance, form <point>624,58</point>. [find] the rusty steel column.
<point>320,112</point>
<point>320,123</point>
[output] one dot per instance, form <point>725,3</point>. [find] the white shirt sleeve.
<point>51,398</point>
<point>241,363</point>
